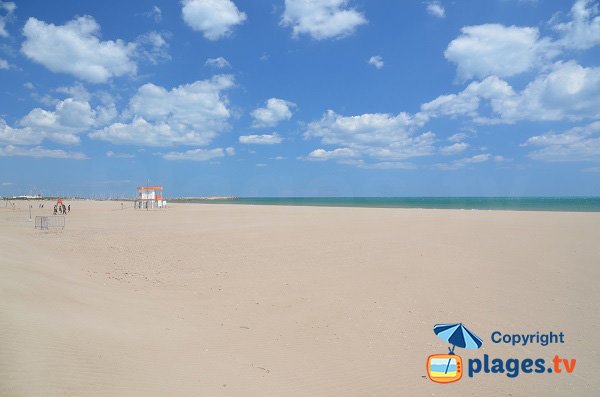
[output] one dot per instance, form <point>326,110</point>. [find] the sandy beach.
<point>236,300</point>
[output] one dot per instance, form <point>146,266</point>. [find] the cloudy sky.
<point>300,97</point>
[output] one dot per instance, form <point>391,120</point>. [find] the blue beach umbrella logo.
<point>457,335</point>
<point>448,368</point>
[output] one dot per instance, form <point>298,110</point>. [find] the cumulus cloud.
<point>7,8</point>
<point>39,152</point>
<point>190,114</point>
<point>583,30</point>
<point>505,51</point>
<point>376,135</point>
<point>4,64</point>
<point>566,90</point>
<point>153,47</point>
<point>376,61</point>
<point>467,101</point>
<point>322,154</point>
<point>214,18</point>
<point>75,48</point>
<point>64,124</point>
<point>575,144</point>
<point>436,9</point>
<point>18,136</point>
<point>461,163</point>
<point>382,165</point>
<point>219,63</point>
<point>155,13</point>
<point>458,137</point>
<point>266,139</point>
<point>321,19</point>
<point>111,154</point>
<point>77,91</point>
<point>198,154</point>
<point>275,110</point>
<point>454,148</point>
<point>494,49</point>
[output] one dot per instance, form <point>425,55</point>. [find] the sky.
<point>300,97</point>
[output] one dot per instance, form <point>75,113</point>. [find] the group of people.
<point>62,209</point>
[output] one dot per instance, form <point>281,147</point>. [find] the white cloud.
<point>218,63</point>
<point>18,136</point>
<point>214,18</point>
<point>69,118</point>
<point>4,64</point>
<point>195,154</point>
<point>379,136</point>
<point>155,13</point>
<point>7,8</point>
<point>75,48</point>
<point>454,148</point>
<point>457,164</point>
<point>504,51</point>
<point>575,144</point>
<point>467,101</point>
<point>266,139</point>
<point>458,137</point>
<point>383,165</point>
<point>583,30</point>
<point>275,110</point>
<point>322,154</point>
<point>112,154</point>
<point>321,19</point>
<point>39,152</point>
<point>494,49</point>
<point>153,47</point>
<point>190,114</point>
<point>230,151</point>
<point>436,9</point>
<point>63,125</point>
<point>261,165</point>
<point>77,91</point>
<point>376,61</point>
<point>565,91</point>
<point>6,184</point>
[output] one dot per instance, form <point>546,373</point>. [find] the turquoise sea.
<point>578,204</point>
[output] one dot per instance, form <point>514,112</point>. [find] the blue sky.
<point>300,97</point>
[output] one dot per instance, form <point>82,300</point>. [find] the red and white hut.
<point>150,197</point>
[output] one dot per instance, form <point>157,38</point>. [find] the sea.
<point>570,204</point>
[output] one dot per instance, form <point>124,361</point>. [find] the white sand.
<point>209,299</point>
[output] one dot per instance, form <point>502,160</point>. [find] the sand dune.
<point>210,299</point>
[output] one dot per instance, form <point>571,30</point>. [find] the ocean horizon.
<point>568,204</point>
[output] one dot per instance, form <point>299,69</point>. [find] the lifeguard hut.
<point>150,197</point>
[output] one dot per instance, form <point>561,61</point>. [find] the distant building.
<point>150,197</point>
